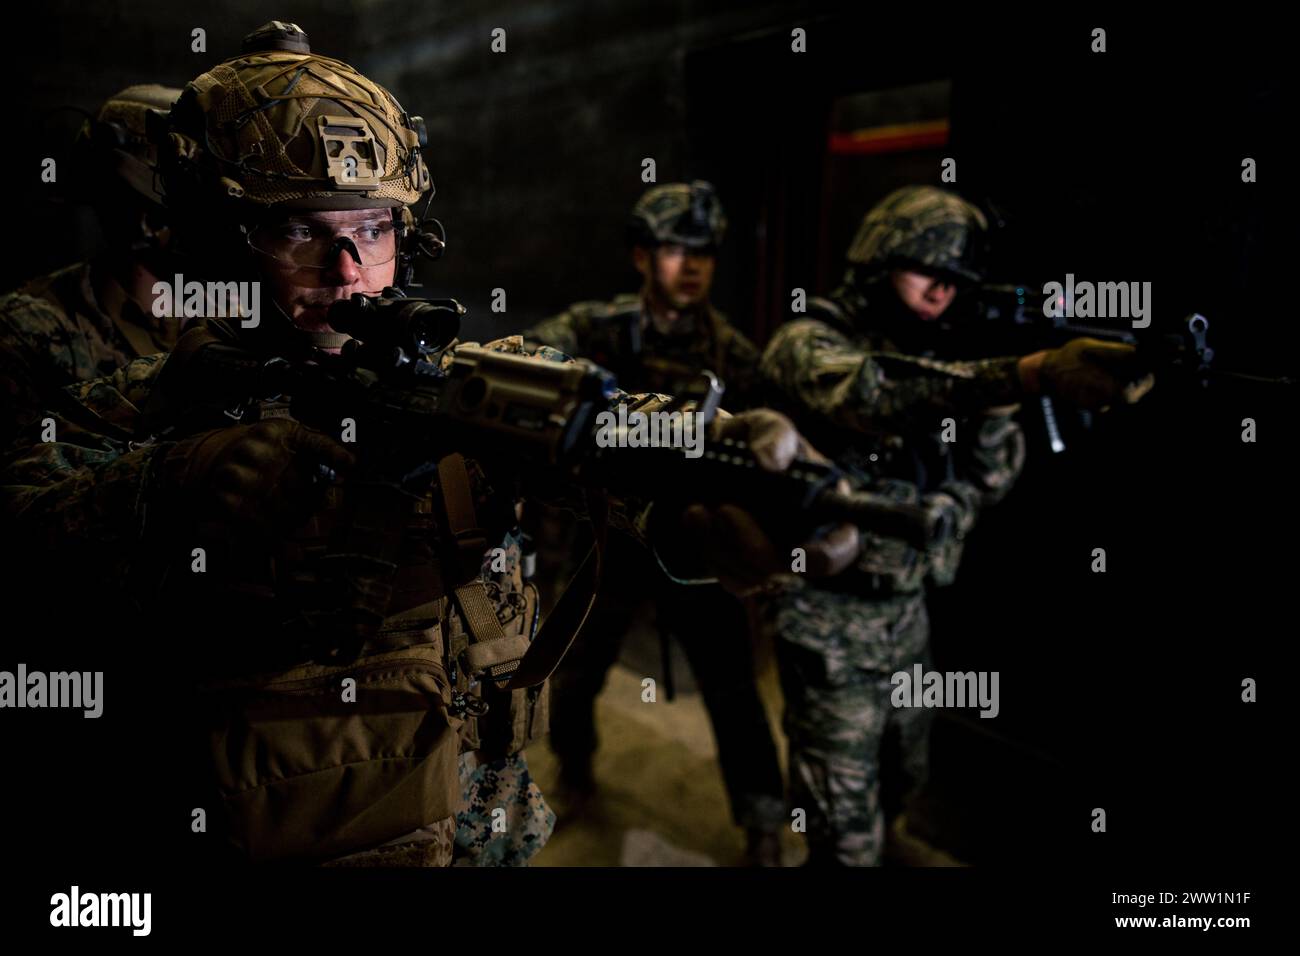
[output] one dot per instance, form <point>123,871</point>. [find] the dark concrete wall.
<point>1106,163</point>
<point>536,153</point>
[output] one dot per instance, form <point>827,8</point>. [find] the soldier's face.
<point>681,277</point>
<point>925,295</point>
<point>306,293</point>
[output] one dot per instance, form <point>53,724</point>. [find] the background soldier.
<point>88,319</point>
<point>854,376</point>
<point>660,340</point>
<point>147,480</point>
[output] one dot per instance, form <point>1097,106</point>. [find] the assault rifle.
<point>1017,319</point>
<point>409,403</point>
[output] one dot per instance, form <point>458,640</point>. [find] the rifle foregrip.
<point>792,502</point>
<point>921,527</point>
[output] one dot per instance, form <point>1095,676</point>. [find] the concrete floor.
<point>660,799</point>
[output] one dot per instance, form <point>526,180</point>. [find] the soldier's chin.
<point>312,320</point>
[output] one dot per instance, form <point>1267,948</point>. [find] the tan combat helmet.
<point>116,168</point>
<point>280,125</point>
<point>281,128</point>
<point>920,227</point>
<point>118,135</point>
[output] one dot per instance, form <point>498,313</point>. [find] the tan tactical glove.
<point>1086,372</point>
<point>265,473</point>
<point>733,540</point>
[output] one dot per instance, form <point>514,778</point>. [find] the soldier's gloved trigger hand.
<point>265,472</point>
<point>733,540</point>
<point>1088,373</point>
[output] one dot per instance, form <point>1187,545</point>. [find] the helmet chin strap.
<point>286,331</point>
<point>327,340</point>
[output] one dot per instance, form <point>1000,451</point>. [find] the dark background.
<point>1120,690</point>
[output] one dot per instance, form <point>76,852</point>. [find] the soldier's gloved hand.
<point>265,473</point>
<point>1087,372</point>
<point>733,540</point>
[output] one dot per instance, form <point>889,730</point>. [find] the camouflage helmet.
<point>280,125</point>
<point>117,140</point>
<point>686,214</point>
<point>920,226</point>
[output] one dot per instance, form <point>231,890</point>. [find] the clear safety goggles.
<point>308,244</point>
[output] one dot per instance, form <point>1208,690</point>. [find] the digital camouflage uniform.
<point>619,334</point>
<point>710,624</point>
<point>57,330</point>
<point>843,375</point>
<point>666,364</point>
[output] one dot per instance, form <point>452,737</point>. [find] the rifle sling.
<point>565,621</point>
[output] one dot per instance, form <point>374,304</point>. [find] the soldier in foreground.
<point>661,340</point>
<point>856,379</point>
<point>231,558</point>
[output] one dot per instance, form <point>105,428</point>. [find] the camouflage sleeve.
<point>23,390</point>
<point>993,462</point>
<point>88,486</point>
<point>567,333</point>
<point>986,470</point>
<point>823,371</point>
